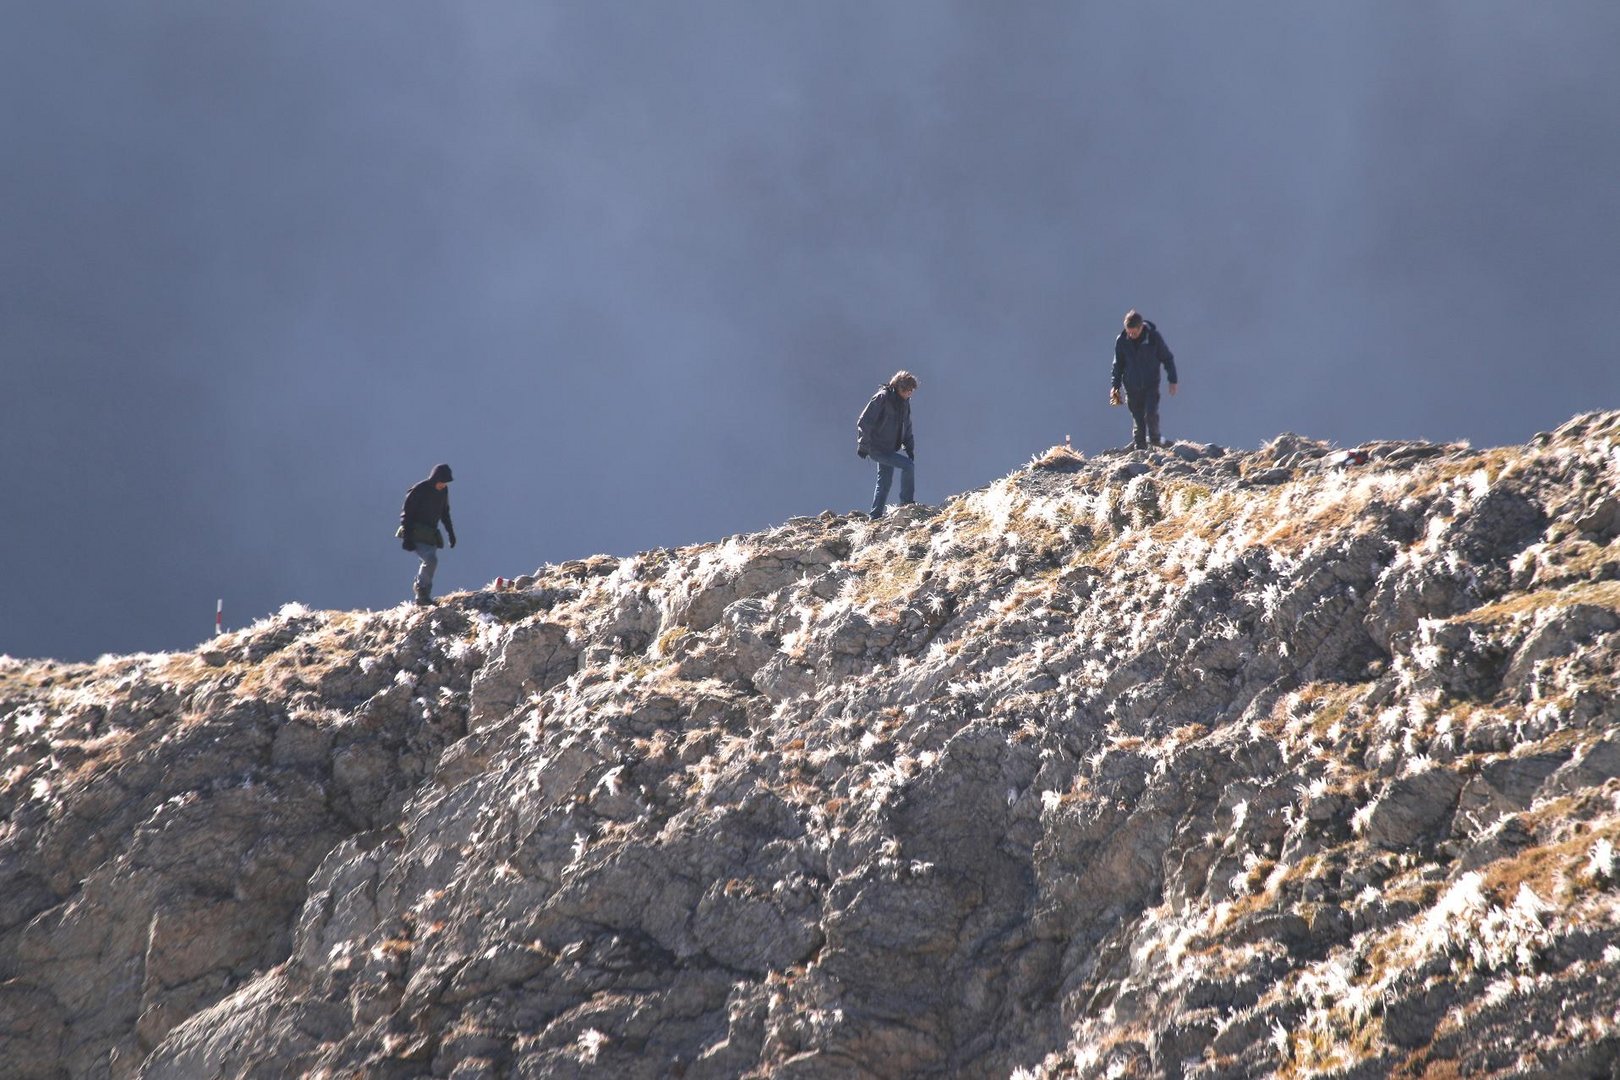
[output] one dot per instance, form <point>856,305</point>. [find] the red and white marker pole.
<point>219,617</point>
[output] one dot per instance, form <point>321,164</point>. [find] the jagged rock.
<point>1602,519</point>
<point>1181,763</point>
<point>1270,476</point>
<point>1413,807</point>
<point>1559,632</point>
<point>1593,767</point>
<point>1407,593</point>
<point>698,601</point>
<point>534,657</point>
<point>1129,471</point>
<point>1504,787</point>
<point>1410,1020</point>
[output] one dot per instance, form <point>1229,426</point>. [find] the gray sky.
<point>633,267</point>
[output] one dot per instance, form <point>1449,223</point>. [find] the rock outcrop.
<point>1197,763</point>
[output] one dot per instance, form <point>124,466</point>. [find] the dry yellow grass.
<point>1553,870</point>
<point>886,578</point>
<point>1599,594</point>
<point>1057,457</point>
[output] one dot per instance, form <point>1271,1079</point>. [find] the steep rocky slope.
<point>1208,764</point>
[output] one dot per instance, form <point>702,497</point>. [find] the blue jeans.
<point>887,462</point>
<point>424,577</point>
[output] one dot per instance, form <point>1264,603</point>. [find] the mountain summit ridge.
<point>1198,762</point>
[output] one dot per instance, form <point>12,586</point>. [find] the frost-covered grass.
<point>1048,598</point>
<point>288,612</point>
<point>1474,923</point>
<point>589,1045</point>
<point>1466,923</point>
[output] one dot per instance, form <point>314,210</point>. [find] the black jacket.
<point>885,424</point>
<point>425,507</point>
<point>1136,363</point>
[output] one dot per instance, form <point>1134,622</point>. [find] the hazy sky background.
<point>633,267</point>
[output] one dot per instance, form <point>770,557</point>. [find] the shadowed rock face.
<point>1203,763</point>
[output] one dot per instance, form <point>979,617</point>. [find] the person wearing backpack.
<point>882,432</point>
<point>426,504</point>
<point>1139,352</point>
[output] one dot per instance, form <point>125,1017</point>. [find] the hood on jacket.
<point>441,474</point>
<point>1147,332</point>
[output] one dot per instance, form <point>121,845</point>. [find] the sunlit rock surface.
<point>1200,763</point>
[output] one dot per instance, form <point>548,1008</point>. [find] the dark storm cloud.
<point>632,268</point>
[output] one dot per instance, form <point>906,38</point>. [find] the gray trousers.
<point>424,577</point>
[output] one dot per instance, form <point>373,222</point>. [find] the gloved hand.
<point>912,454</point>
<point>860,453</point>
<point>408,544</point>
<point>452,538</point>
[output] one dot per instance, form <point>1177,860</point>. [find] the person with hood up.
<point>882,432</point>
<point>1139,351</point>
<point>427,504</point>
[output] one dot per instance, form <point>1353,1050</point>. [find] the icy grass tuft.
<point>1600,861</point>
<point>589,1045</point>
<point>1465,922</point>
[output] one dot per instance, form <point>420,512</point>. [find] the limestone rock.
<point>1191,762</point>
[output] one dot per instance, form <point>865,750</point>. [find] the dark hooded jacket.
<point>1136,363</point>
<point>885,424</point>
<point>425,507</point>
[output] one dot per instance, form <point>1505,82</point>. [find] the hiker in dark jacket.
<point>883,431</point>
<point>427,504</point>
<point>1139,351</point>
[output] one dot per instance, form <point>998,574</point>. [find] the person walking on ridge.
<point>1138,353</point>
<point>426,504</point>
<point>882,432</point>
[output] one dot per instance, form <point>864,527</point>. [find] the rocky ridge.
<point>1196,763</point>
